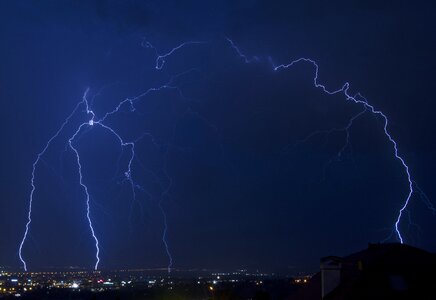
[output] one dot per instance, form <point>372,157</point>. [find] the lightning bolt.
<point>242,55</point>
<point>32,180</point>
<point>164,237</point>
<point>127,173</point>
<point>357,99</point>
<point>85,188</point>
<point>160,60</point>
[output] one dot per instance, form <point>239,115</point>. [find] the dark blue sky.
<point>241,194</point>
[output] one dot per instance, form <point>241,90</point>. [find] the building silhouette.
<point>382,271</point>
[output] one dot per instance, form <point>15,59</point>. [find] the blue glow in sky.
<point>187,149</point>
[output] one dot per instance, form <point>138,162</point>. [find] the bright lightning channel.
<point>357,99</point>
<point>32,181</point>
<point>159,63</point>
<point>128,172</point>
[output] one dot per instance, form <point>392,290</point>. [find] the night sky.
<point>223,158</point>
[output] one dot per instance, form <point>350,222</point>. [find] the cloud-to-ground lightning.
<point>164,238</point>
<point>35,164</point>
<point>92,121</point>
<point>357,99</point>
<point>85,189</point>
<point>32,182</point>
